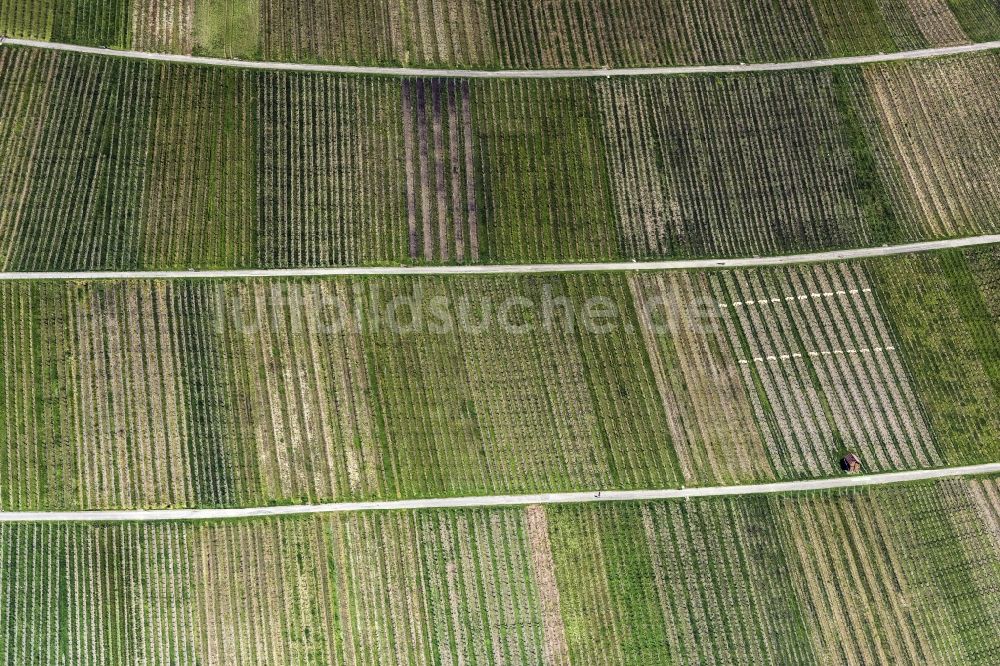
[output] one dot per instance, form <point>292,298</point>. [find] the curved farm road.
<point>516,74</point>
<point>493,269</point>
<point>500,500</point>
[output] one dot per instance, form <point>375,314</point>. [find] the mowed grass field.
<point>736,580</point>
<point>108,163</point>
<point>247,392</point>
<point>507,33</point>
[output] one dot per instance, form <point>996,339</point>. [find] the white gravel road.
<point>491,269</point>
<point>846,481</point>
<point>517,74</point>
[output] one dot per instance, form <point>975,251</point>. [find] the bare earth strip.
<point>518,74</point>
<point>501,500</point>
<point>556,648</point>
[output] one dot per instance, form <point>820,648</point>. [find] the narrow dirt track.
<point>517,74</point>
<point>499,500</point>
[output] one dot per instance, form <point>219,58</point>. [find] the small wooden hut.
<point>850,463</point>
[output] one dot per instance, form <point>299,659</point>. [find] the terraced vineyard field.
<point>201,392</point>
<point>244,392</point>
<point>927,153</point>
<point>507,33</point>
<point>681,152</point>
<point>748,580</point>
<point>122,164</point>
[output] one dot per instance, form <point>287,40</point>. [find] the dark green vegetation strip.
<point>731,580</point>
<point>545,192</point>
<point>92,22</point>
<point>201,352</point>
<point>87,22</point>
<point>938,306</point>
<point>980,20</point>
<point>876,204</point>
<point>506,33</point>
<point>117,164</point>
<point>247,392</point>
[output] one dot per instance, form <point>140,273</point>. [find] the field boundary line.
<point>512,73</point>
<point>796,297</point>
<point>495,269</point>
<point>157,515</point>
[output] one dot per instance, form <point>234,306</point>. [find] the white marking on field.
<point>814,354</point>
<point>797,297</point>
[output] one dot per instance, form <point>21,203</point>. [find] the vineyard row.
<point>245,392</point>
<point>733,580</point>
<point>113,164</point>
